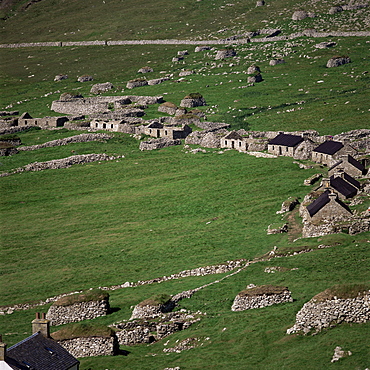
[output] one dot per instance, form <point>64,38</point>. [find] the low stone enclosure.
<point>87,340</point>
<point>331,307</point>
<point>78,307</point>
<point>261,296</point>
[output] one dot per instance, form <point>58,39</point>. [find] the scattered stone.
<point>339,353</point>
<point>260,3</point>
<point>277,230</point>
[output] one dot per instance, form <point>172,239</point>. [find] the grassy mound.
<point>88,296</point>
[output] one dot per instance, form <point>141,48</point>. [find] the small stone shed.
<point>327,207</point>
<point>284,144</point>
<point>261,296</point>
<point>349,165</point>
<point>330,151</point>
<point>84,306</point>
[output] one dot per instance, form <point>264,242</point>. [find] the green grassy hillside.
<point>157,213</point>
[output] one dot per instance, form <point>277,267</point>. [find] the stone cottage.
<point>349,165</point>
<point>326,207</point>
<point>330,151</point>
<point>38,351</point>
<point>233,140</point>
<point>159,130</point>
<point>26,120</point>
<point>284,144</point>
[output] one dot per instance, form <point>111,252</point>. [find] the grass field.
<point>157,213</point>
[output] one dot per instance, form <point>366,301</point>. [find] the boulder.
<point>275,62</point>
<point>60,77</point>
<point>337,61</point>
<point>101,88</point>
<point>335,9</point>
<point>136,83</point>
<point>260,3</point>
<point>255,78</point>
<point>202,48</point>
<point>298,15</point>
<point>145,70</point>
<point>253,69</point>
<point>182,52</point>
<point>157,81</point>
<point>85,78</point>
<point>225,53</point>
<point>324,45</point>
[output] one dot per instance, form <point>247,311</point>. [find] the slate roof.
<point>286,140</point>
<point>351,180</point>
<point>39,353</point>
<point>329,147</point>
<point>351,161</point>
<point>321,202</point>
<point>355,163</point>
<point>343,187</point>
<point>318,203</point>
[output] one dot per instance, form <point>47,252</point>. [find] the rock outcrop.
<point>158,143</point>
<point>337,61</point>
<point>101,88</point>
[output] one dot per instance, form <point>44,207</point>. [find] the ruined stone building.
<point>26,120</point>
<point>159,130</point>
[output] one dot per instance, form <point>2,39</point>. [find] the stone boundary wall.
<point>92,346</point>
<point>62,163</point>
<point>83,138</point>
<point>317,316</point>
<point>188,42</point>
<point>59,315</point>
<point>242,303</point>
<point>143,312</point>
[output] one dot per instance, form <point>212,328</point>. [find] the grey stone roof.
<point>343,187</point>
<point>321,202</point>
<point>233,135</point>
<point>39,353</point>
<point>286,140</point>
<point>329,147</point>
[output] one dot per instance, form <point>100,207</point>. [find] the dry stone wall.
<point>92,346</point>
<point>317,316</point>
<point>59,315</point>
<point>83,138</point>
<point>158,143</point>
